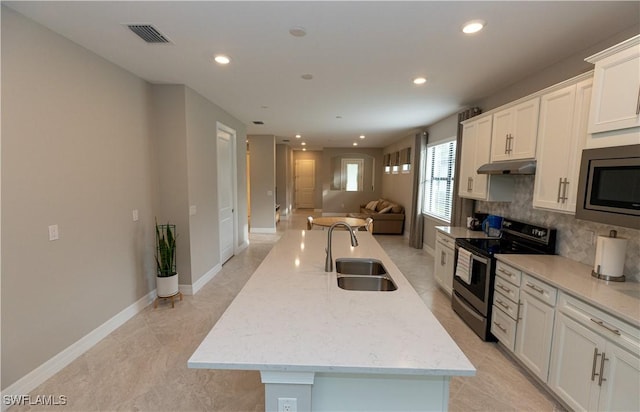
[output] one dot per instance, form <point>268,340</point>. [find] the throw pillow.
<point>372,205</point>
<point>381,205</point>
<point>386,209</point>
<point>396,208</point>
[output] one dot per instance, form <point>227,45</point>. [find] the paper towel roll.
<point>610,255</point>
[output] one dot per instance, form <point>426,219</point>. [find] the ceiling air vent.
<point>148,33</point>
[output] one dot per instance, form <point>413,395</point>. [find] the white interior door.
<point>305,183</point>
<point>226,185</point>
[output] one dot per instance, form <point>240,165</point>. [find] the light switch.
<point>192,210</point>
<point>53,232</point>
<point>135,215</point>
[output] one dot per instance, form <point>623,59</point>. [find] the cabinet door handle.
<point>502,328</point>
<point>593,366</point>
<point>601,378</point>
<point>638,105</point>
<point>601,323</point>
<point>559,190</point>
<point>534,287</point>
<point>501,303</point>
<point>506,143</point>
<point>443,258</point>
<point>511,275</point>
<point>510,143</point>
<point>565,183</point>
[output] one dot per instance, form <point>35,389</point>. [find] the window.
<point>438,180</point>
<point>405,160</point>
<point>352,177</point>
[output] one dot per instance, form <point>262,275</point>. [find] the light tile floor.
<point>142,366</point>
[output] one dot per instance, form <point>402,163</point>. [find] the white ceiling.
<point>363,55</point>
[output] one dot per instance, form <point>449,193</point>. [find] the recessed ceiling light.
<point>307,76</point>
<point>298,31</point>
<point>355,143</point>
<point>419,80</point>
<point>298,136</point>
<point>304,149</point>
<point>362,136</point>
<point>221,59</point>
<point>303,143</point>
<point>473,26</point>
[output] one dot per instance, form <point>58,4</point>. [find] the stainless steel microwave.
<point>609,186</point>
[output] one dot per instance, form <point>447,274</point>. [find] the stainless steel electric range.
<point>473,296</point>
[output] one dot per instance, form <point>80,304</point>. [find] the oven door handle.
<point>480,259</point>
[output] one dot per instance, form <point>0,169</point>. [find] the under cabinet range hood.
<point>516,167</point>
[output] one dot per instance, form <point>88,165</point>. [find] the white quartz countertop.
<point>620,299</point>
<point>461,232</point>
<point>292,316</point>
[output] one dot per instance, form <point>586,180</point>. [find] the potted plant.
<point>166,277</point>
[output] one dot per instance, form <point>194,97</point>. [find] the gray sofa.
<point>388,216</point>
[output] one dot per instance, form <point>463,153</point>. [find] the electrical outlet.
<point>53,232</point>
<point>287,404</point>
<point>135,215</point>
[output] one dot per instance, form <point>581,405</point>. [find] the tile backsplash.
<point>574,236</point>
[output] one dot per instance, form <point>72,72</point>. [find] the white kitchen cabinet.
<point>595,362</point>
<point>475,152</point>
<point>535,326</point>
<point>505,312</point>
<point>616,92</point>
<point>562,135</point>
<point>514,131</point>
<point>444,261</point>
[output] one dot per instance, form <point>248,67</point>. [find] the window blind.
<point>438,183</point>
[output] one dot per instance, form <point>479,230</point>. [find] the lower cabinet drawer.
<point>505,304</point>
<point>503,328</point>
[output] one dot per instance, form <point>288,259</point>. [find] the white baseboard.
<point>193,289</point>
<point>431,251</point>
<point>263,230</point>
<point>241,247</point>
<point>54,365</point>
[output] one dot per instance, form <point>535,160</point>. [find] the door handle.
<point>638,104</point>
<point>443,258</point>
<point>564,190</point>
<point>506,144</point>
<point>510,143</point>
<point>559,190</point>
<point>601,378</point>
<point>593,366</point>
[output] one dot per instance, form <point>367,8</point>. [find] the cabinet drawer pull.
<point>502,328</point>
<point>601,323</point>
<point>504,288</point>
<point>534,287</point>
<point>511,275</point>
<point>501,303</point>
<point>593,366</point>
<point>601,378</point>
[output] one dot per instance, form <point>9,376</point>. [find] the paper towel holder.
<point>597,274</point>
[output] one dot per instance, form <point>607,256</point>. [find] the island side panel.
<point>362,392</point>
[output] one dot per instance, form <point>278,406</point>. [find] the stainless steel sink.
<point>355,266</point>
<point>367,283</point>
<point>363,274</point>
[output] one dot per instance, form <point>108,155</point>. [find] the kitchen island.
<point>329,348</point>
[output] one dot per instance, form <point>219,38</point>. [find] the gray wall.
<point>337,201</point>
<point>263,183</point>
<point>77,153</point>
<point>84,144</point>
<point>284,178</point>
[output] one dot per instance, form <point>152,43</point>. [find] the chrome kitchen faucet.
<point>328,264</point>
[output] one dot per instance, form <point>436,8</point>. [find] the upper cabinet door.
<point>514,132</point>
<point>616,91</point>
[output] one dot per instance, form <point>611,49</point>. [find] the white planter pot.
<point>166,286</point>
